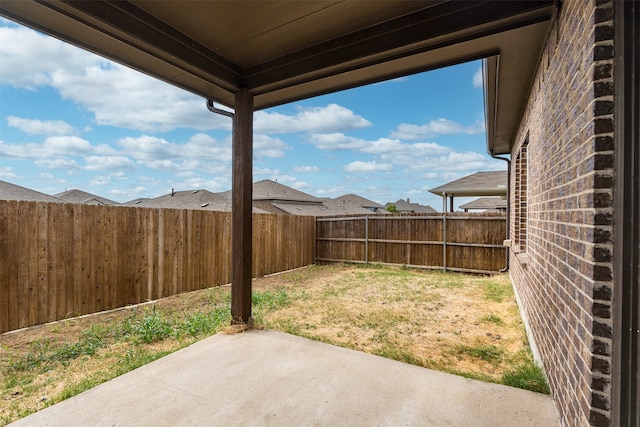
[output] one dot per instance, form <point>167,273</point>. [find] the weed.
<point>496,291</point>
<point>528,376</point>
<point>151,328</point>
<point>488,353</point>
<point>395,352</point>
<point>492,318</point>
<point>199,323</point>
<point>270,300</point>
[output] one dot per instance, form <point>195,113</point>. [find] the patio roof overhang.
<point>251,55</point>
<point>283,51</point>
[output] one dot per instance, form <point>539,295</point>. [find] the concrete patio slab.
<point>266,378</point>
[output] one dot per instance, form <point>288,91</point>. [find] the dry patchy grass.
<point>463,324</point>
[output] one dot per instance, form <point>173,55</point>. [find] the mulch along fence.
<point>59,260</point>
<point>456,241</point>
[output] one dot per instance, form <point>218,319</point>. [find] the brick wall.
<point>563,275</point>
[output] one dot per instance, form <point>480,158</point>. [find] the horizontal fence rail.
<point>458,242</point>
<point>59,260</point>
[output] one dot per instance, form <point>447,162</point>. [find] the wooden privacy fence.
<point>459,242</point>
<point>59,260</point>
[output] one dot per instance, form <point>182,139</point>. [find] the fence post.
<point>366,239</point>
<point>444,241</point>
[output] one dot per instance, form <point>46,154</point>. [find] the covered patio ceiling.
<point>283,51</point>
<point>250,55</point>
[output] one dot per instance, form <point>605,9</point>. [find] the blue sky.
<point>70,119</point>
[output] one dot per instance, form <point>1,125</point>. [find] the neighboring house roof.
<point>79,196</point>
<point>335,207</point>
<point>189,199</point>
<point>407,206</point>
<point>271,190</point>
<point>10,191</point>
<point>492,183</point>
<point>310,209</point>
<point>486,203</point>
<point>355,200</point>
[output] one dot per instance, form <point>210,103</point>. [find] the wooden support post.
<point>451,204</point>
<point>241,206</point>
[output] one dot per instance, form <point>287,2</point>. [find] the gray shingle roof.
<point>189,199</point>
<point>270,190</point>
<point>486,203</point>
<point>79,196</point>
<point>407,206</point>
<point>355,200</point>
<point>293,208</point>
<point>492,183</point>
<point>10,191</point>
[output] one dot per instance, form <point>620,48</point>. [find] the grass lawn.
<point>462,324</point>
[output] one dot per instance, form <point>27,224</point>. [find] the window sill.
<point>523,259</point>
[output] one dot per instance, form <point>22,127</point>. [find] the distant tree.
<point>391,207</point>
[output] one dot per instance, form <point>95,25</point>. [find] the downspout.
<point>506,267</point>
<point>217,110</point>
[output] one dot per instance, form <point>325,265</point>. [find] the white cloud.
<point>204,147</point>
<point>283,179</point>
<point>6,172</point>
<point>147,147</point>
<point>39,127</point>
<point>67,145</point>
<point>197,182</point>
<point>58,163</point>
<point>108,163</point>
<point>31,60</point>
<point>395,147</point>
<point>151,105</point>
<point>428,159</point>
<point>435,128</point>
<point>332,118</point>
<point>300,185</point>
<point>267,146</point>
<point>265,171</point>
<point>477,78</point>
<point>305,169</point>
<point>336,141</point>
<point>334,191</point>
<point>359,166</point>
<point>132,193</point>
<point>200,152</point>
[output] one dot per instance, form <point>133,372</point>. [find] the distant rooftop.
<point>271,190</point>
<point>10,191</point>
<point>492,183</point>
<point>486,203</point>
<point>355,200</point>
<point>188,199</point>
<point>409,207</point>
<point>79,196</point>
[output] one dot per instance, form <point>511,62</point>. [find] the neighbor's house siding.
<point>562,275</point>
